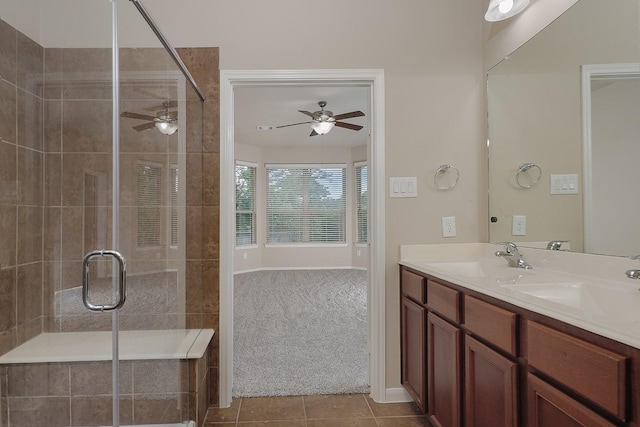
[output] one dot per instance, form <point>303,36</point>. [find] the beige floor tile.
<point>336,406</point>
<point>392,409</point>
<point>343,422</point>
<point>271,408</point>
<point>420,421</point>
<point>219,415</point>
<point>279,423</point>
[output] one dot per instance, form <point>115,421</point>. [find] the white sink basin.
<point>572,294</point>
<point>588,299</point>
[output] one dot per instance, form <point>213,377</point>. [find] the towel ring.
<point>524,168</point>
<point>442,170</point>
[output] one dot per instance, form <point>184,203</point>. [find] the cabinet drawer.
<point>594,372</point>
<point>494,324</point>
<point>413,286</point>
<point>444,300</point>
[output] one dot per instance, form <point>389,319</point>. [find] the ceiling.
<point>277,105</point>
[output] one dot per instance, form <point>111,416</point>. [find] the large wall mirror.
<point>542,140</point>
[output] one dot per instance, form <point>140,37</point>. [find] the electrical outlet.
<point>519,225</point>
<point>448,226</point>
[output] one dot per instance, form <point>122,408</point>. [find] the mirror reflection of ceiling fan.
<point>323,121</point>
<point>165,121</point>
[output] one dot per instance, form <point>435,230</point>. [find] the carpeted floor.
<point>300,332</point>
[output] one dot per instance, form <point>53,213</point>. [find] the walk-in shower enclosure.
<point>90,160</point>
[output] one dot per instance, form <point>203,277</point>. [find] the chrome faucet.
<point>513,255</point>
<point>554,245</point>
<point>633,274</point>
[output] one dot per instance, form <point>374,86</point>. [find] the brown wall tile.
<point>174,377</point>
<point>8,36</point>
<point>29,64</point>
<point>97,410</point>
<point>52,123</point>
<point>29,114</point>
<point>7,300</point>
<point>29,292</point>
<point>30,177</point>
<point>52,74</point>
<point>8,111</point>
<point>38,379</point>
<point>86,126</point>
<point>29,234</point>
<point>160,408</point>
<point>211,179</point>
<point>8,219</point>
<point>39,411</point>
<point>93,378</point>
<point>53,180</point>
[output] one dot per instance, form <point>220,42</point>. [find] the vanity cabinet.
<point>413,319</point>
<point>548,406</point>
<point>443,359</point>
<point>490,363</point>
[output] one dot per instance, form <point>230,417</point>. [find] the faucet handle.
<point>509,246</point>
<point>634,257</point>
<point>554,245</point>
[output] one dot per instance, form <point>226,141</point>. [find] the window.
<point>149,199</point>
<point>362,203</point>
<point>245,204</point>
<point>174,206</point>
<point>306,203</point>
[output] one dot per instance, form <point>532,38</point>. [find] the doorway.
<point>374,80</point>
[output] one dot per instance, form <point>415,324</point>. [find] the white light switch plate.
<point>563,184</point>
<point>403,187</point>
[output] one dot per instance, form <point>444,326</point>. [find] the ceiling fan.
<point>165,121</point>
<point>323,121</point>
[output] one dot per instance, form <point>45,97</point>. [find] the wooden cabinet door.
<point>491,387</point>
<point>443,376</point>
<point>548,406</point>
<point>414,329</point>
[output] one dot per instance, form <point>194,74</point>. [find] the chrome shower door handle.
<point>121,289</point>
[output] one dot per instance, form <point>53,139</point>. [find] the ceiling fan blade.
<point>293,124</point>
<point>136,116</point>
<point>306,112</point>
<point>165,105</point>
<point>349,115</point>
<point>144,126</point>
<point>314,133</point>
<point>348,126</point>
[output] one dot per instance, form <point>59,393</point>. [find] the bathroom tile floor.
<point>336,410</point>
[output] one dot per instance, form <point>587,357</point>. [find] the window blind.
<point>149,199</point>
<point>362,201</point>
<point>245,204</point>
<point>306,203</point>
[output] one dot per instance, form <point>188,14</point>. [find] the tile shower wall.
<point>21,187</point>
<point>40,209</point>
<point>79,393</point>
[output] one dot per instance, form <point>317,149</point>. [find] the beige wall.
<point>432,56</point>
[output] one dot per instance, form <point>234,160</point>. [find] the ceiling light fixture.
<point>502,9</point>
<point>166,124</point>
<point>322,127</point>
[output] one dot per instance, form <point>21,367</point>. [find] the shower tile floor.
<point>336,410</point>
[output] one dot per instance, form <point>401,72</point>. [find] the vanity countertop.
<point>587,291</point>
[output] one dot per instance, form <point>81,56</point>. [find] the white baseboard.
<point>397,395</point>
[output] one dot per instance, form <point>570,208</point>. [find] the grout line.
<point>238,411</point>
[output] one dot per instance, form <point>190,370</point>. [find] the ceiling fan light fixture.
<point>503,9</point>
<point>167,127</point>
<point>322,127</point>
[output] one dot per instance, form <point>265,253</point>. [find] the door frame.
<point>374,79</point>
<point>589,73</point>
